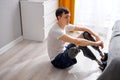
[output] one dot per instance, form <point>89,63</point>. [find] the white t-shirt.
<point>55,45</point>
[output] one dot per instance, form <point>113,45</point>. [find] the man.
<point>63,56</point>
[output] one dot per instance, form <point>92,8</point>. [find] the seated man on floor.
<point>63,56</point>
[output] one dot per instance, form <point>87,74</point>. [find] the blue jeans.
<point>62,60</point>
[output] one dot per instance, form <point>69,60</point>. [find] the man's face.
<point>64,19</point>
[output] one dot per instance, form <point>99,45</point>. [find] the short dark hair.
<point>61,10</point>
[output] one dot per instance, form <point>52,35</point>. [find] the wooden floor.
<point>28,60</point>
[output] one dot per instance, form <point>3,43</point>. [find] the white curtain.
<point>97,14</point>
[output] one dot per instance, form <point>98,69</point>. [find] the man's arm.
<point>97,38</point>
<point>79,41</point>
<point>89,31</point>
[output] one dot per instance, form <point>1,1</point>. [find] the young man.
<point>63,56</point>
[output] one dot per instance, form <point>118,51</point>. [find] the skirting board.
<point>10,45</point>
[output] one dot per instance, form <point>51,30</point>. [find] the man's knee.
<point>72,52</point>
<point>88,36</point>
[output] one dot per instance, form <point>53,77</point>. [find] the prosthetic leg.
<point>104,56</point>
<point>87,52</point>
<point>73,51</point>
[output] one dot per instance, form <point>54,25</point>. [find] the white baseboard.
<point>10,45</point>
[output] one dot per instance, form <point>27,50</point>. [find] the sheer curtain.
<point>99,15</point>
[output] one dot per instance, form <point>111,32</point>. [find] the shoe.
<point>103,66</point>
<point>106,57</point>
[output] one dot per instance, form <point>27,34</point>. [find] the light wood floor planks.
<point>28,60</point>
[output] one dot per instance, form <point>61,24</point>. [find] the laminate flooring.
<point>28,60</point>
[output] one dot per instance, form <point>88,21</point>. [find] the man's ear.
<point>58,17</point>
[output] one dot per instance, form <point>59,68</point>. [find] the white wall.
<point>10,25</point>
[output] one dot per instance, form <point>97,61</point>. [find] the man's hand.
<point>100,43</point>
<point>98,38</point>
